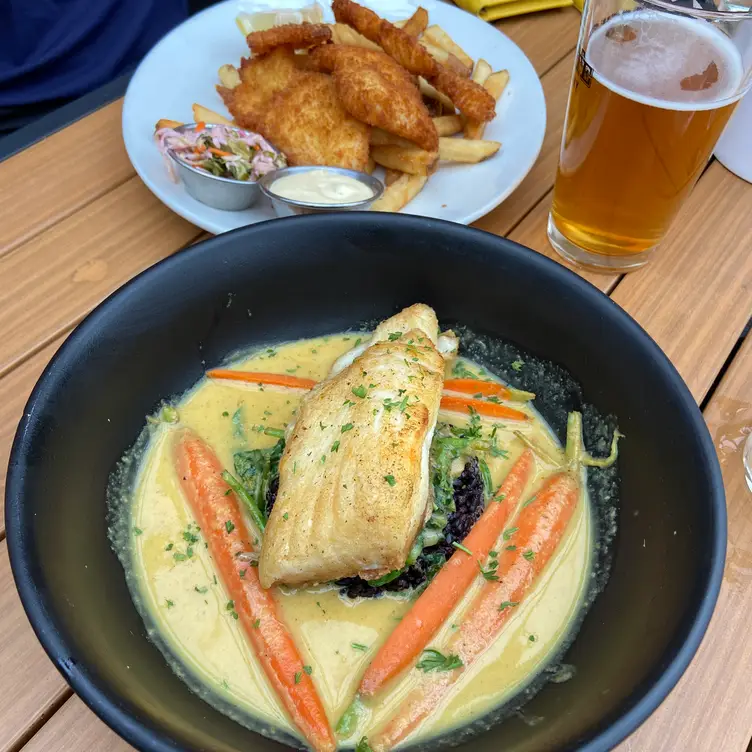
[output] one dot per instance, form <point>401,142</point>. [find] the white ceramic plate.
<point>182,69</point>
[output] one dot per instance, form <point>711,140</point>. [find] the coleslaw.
<point>221,150</point>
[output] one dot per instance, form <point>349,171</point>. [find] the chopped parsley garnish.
<point>359,391</point>
<point>169,603</point>
<point>238,427</point>
<point>189,537</point>
<point>335,447</point>
<point>508,604</point>
<point>178,556</point>
<point>529,555</point>
<point>390,480</point>
<point>533,638</point>
<point>137,531</point>
<point>358,646</point>
<point>285,516</point>
<point>257,623</point>
<point>490,573</point>
<point>394,336</point>
<point>460,547</point>
<point>528,502</point>
<point>509,532</point>
<point>298,676</point>
<point>347,427</point>
<point>401,405</point>
<point>308,670</point>
<point>169,547</point>
<point>323,459</point>
<point>225,414</point>
<point>229,526</point>
<point>230,605</point>
<point>517,364</point>
<point>363,745</point>
<point>434,660</point>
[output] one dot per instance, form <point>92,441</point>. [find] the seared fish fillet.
<point>354,479</point>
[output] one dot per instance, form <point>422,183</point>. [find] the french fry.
<point>447,59</point>
<point>392,176</point>
<point>344,34</point>
<point>436,35</point>
<point>465,150</point>
<point>400,193</point>
<point>381,137</point>
<point>203,114</point>
<point>229,76</point>
<point>448,125</point>
<point>494,85</point>
<point>428,91</point>
<point>371,166</point>
<point>481,72</point>
<point>164,123</point>
<point>416,24</point>
<point>411,159</point>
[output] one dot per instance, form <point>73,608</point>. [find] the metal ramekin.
<point>285,207</point>
<point>221,193</point>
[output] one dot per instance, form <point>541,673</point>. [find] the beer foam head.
<point>666,60</point>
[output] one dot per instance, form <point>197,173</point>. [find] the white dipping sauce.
<point>321,187</point>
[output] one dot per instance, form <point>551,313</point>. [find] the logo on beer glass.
<point>584,70</point>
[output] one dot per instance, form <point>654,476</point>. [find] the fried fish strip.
<point>295,36</point>
<point>376,90</point>
<point>470,98</point>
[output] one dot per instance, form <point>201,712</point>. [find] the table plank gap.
<point>74,728</point>
<point>30,685</point>
<point>85,257</point>
<point>35,202</point>
<point>539,181</point>
<point>706,252</point>
<point>711,706</point>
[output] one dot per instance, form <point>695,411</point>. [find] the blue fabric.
<point>60,49</point>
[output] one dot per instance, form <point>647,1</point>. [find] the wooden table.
<point>77,223</point>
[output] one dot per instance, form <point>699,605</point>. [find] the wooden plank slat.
<point>694,298</point>
<point>711,706</point>
<point>74,728</point>
<point>532,233</point>
<point>59,175</point>
<point>546,38</point>
<point>52,281</point>
<point>15,388</point>
<point>30,686</point>
<point>541,178</point>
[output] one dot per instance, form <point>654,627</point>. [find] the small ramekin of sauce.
<point>314,189</point>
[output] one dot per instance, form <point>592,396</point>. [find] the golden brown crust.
<point>376,90</point>
<point>293,36</point>
<point>468,97</point>
<point>308,123</point>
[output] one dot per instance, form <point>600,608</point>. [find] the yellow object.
<point>262,20</point>
<point>493,10</point>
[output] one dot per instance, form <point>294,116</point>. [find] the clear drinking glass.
<point>654,84</point>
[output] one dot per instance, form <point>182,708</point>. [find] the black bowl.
<point>311,275</point>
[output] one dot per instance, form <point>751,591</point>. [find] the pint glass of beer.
<point>654,84</point>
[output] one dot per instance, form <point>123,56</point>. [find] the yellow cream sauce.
<point>189,607</point>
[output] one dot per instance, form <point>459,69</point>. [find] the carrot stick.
<point>436,602</point>
<point>252,377</point>
<point>220,153</point>
<point>200,126</point>
<point>489,409</point>
<point>218,513</point>
<point>540,525</point>
<point>474,386</point>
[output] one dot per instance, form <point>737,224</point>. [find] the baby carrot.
<point>540,527</point>
<point>466,405</point>
<point>436,602</point>
<point>487,389</point>
<point>218,514</point>
<point>251,377</point>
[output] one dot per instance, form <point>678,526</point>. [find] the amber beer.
<point>649,99</point>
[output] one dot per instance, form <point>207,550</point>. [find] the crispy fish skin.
<point>376,90</point>
<point>469,97</point>
<point>308,123</point>
<point>355,477</point>
<point>294,36</point>
<point>260,79</point>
